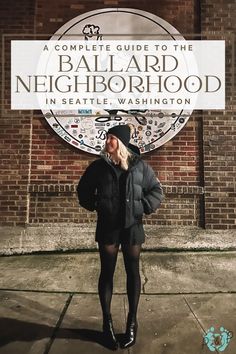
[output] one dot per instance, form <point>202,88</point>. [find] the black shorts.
<point>133,235</point>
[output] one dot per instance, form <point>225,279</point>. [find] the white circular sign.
<point>86,129</point>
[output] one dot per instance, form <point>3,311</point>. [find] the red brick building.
<point>39,171</point>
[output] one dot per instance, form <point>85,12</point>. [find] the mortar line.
<point>158,251</point>
<point>94,250</point>
<point>195,316</point>
<point>58,324</point>
<point>119,293</point>
<point>186,301</point>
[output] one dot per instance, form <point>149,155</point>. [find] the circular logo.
<point>86,129</point>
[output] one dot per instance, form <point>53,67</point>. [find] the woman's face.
<point>111,144</point>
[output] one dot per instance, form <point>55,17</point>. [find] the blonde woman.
<point>121,187</point>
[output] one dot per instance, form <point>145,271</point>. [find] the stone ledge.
<point>71,237</point>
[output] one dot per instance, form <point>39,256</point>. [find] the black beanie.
<point>122,132</point>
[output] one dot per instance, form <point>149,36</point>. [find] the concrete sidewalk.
<point>49,302</point>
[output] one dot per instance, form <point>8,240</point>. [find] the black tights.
<point>108,258</point>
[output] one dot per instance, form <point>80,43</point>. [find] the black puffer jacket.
<point>98,189</point>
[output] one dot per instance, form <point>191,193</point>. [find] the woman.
<point>120,187</point>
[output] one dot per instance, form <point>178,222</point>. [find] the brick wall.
<point>40,170</point>
<point>15,127</point>
<point>219,127</point>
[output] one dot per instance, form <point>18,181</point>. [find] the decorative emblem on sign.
<point>91,32</point>
<point>86,129</point>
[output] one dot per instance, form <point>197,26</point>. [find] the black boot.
<point>109,333</point>
<point>131,332</point>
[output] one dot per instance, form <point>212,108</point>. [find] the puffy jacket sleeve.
<point>152,191</point>
<point>86,188</point>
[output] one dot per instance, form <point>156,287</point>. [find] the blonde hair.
<point>122,156</point>
<point>132,128</point>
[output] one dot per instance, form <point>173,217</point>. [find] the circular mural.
<point>86,129</point>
